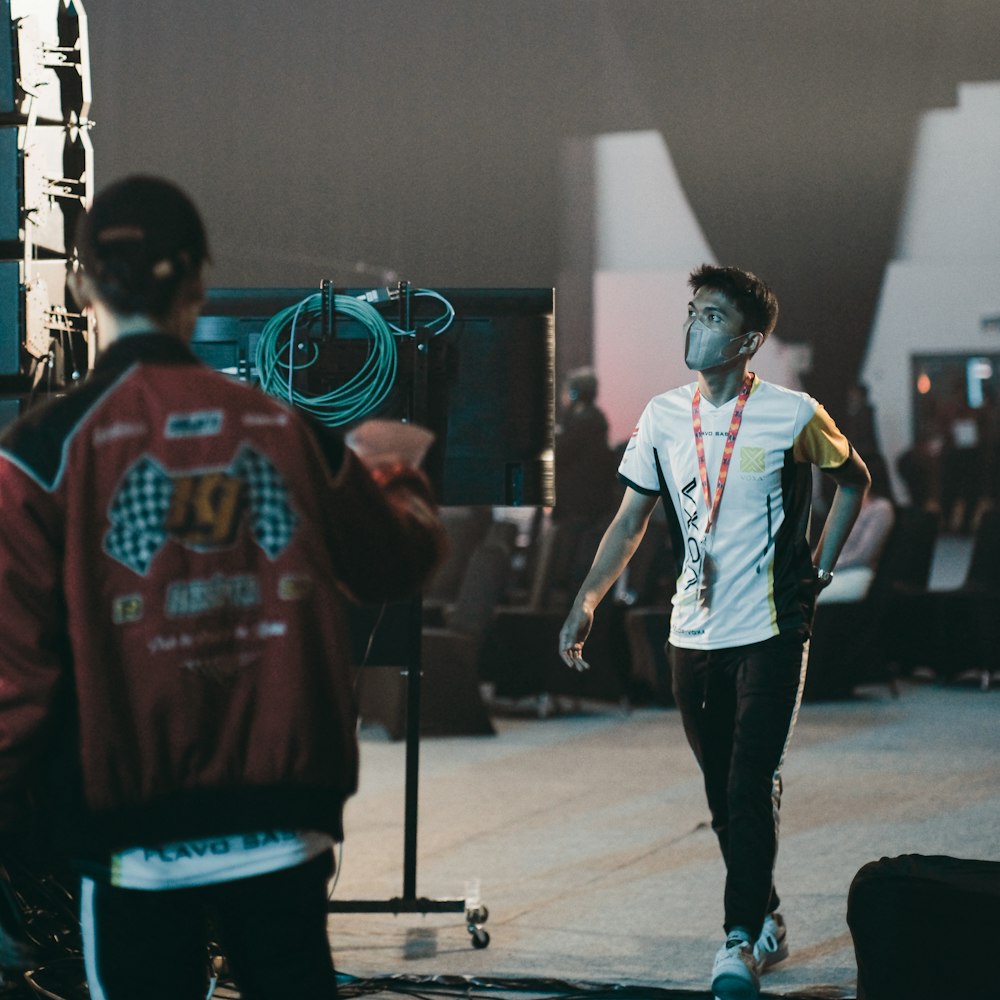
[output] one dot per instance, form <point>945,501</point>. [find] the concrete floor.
<point>590,838</point>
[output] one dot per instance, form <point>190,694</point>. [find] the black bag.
<point>926,928</point>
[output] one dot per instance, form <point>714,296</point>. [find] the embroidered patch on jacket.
<point>294,588</point>
<point>751,459</point>
<point>201,509</point>
<point>195,597</point>
<point>118,430</point>
<point>201,423</point>
<point>264,419</point>
<point>127,609</point>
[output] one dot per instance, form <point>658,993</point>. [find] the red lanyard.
<point>727,452</point>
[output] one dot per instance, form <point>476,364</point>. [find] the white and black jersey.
<point>761,569</point>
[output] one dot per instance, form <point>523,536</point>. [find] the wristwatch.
<point>824,577</point>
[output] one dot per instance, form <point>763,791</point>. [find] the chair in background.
<point>853,643</point>
<point>955,632</point>
<point>451,701</point>
<point>483,587</point>
<point>649,586</point>
<point>465,527</point>
<point>520,657</point>
<point>646,631</point>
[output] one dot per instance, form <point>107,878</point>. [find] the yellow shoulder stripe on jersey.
<point>821,442</point>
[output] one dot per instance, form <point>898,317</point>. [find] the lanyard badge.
<point>706,573</point>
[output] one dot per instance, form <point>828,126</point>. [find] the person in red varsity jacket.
<point>176,553</point>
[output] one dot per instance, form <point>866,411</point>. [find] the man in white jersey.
<point>731,456</point>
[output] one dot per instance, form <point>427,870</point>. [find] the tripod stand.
<point>475,913</point>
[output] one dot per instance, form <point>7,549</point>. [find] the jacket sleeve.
<point>384,531</point>
<point>33,645</point>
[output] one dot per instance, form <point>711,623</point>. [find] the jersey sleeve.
<point>817,438</point>
<point>638,464</point>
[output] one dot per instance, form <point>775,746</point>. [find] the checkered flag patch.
<point>137,515</point>
<point>272,520</point>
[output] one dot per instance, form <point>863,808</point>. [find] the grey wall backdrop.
<point>351,138</point>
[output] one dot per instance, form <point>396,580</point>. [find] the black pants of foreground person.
<point>153,944</point>
<point>926,928</point>
<point>739,707</point>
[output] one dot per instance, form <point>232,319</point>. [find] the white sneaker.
<point>735,972</point>
<point>772,945</point>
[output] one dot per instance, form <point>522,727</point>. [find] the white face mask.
<point>705,349</point>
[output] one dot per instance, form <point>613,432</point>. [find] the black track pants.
<point>153,944</point>
<point>738,707</point>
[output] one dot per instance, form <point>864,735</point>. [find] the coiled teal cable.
<point>360,395</point>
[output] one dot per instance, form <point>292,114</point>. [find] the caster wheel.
<point>480,939</point>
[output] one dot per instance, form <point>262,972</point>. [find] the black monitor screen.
<point>484,384</point>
